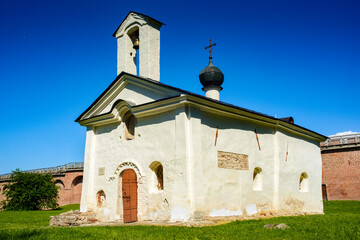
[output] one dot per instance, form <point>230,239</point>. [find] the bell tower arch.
<point>138,46</point>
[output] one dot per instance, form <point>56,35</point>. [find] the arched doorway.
<point>129,195</point>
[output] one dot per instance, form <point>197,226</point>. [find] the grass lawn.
<point>341,221</point>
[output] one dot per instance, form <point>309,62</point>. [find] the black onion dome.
<point>211,75</point>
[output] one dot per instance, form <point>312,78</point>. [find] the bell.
<point>135,42</point>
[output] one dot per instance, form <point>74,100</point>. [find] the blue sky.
<point>283,58</point>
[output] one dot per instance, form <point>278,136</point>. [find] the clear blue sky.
<point>283,58</point>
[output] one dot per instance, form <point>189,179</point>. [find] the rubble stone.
<point>72,218</point>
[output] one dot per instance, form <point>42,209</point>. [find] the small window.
<point>130,122</point>
<point>257,179</point>
<point>304,182</point>
<point>158,176</point>
<point>100,198</point>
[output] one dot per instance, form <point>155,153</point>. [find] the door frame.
<point>121,197</point>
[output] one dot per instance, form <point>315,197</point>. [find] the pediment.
<point>131,89</point>
<point>134,18</point>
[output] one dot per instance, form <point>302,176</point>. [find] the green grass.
<point>341,221</point>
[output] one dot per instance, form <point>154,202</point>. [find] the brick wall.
<point>2,197</point>
<point>70,187</point>
<point>341,173</point>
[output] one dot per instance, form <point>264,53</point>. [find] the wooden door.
<point>129,195</point>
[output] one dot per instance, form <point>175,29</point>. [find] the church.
<point>155,152</point>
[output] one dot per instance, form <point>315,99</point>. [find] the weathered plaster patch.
<point>179,214</point>
<point>83,208</point>
<point>251,209</point>
<point>107,211</point>
<point>224,212</point>
<point>294,204</point>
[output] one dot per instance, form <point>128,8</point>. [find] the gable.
<point>134,18</point>
<point>131,89</point>
<point>136,94</point>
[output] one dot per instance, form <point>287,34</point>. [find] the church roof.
<point>146,16</point>
<point>285,120</point>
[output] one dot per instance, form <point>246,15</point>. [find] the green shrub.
<point>30,191</point>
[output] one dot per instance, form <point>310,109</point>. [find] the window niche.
<point>257,179</point>
<point>157,176</point>
<point>100,198</point>
<point>304,182</point>
<point>129,125</point>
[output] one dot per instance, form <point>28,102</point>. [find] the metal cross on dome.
<point>210,45</point>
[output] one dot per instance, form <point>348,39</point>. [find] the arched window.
<point>158,176</point>
<point>130,122</point>
<point>100,198</point>
<point>304,182</point>
<point>257,179</point>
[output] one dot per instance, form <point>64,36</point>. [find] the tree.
<point>30,191</point>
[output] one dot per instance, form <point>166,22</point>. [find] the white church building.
<point>159,153</point>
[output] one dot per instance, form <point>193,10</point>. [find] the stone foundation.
<point>72,218</point>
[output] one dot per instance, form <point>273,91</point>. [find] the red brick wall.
<point>70,187</point>
<point>2,197</point>
<point>341,173</point>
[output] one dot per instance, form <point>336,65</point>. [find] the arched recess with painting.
<point>157,177</point>
<point>76,187</point>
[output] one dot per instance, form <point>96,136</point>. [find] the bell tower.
<point>138,46</point>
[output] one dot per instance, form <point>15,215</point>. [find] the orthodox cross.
<point>210,45</point>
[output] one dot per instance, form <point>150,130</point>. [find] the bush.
<point>30,191</point>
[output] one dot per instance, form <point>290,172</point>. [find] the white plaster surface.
<point>179,214</point>
<point>251,209</point>
<point>212,92</point>
<point>224,213</point>
<point>183,142</point>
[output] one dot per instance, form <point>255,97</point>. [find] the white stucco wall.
<point>229,192</point>
<point>303,156</point>
<point>194,186</point>
<point>154,141</point>
<point>229,189</point>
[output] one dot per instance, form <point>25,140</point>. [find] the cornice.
<point>172,103</point>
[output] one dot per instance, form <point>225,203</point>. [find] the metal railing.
<point>350,139</point>
<point>52,170</point>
